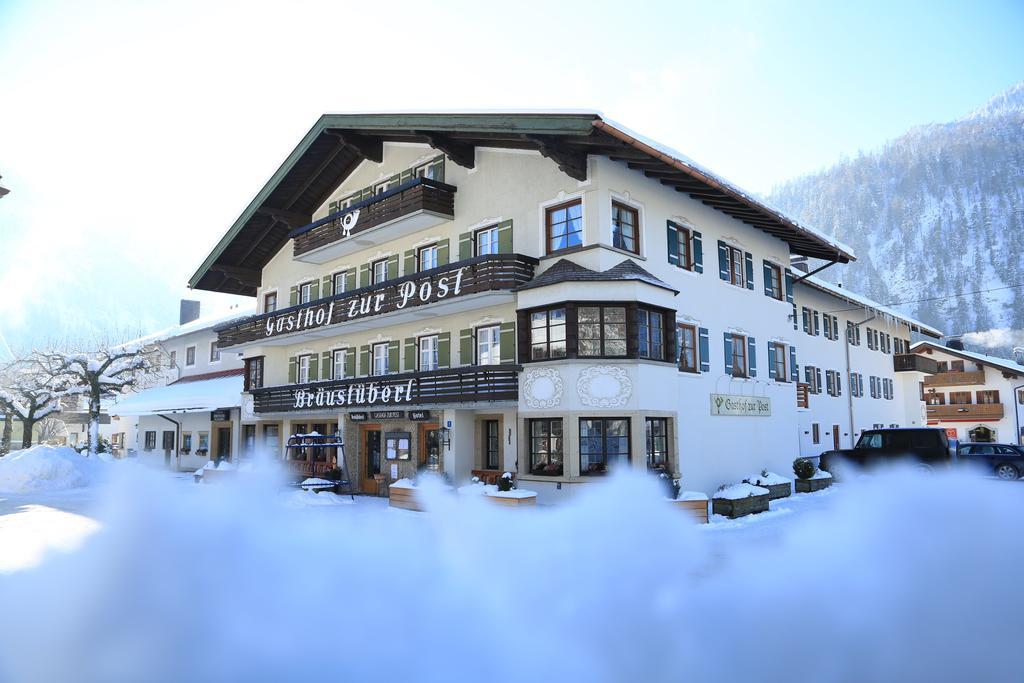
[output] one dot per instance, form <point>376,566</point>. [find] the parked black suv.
<point>1004,460</point>
<point>925,446</point>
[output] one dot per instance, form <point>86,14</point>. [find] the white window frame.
<point>488,345</point>
<point>338,364</point>
<point>305,292</point>
<point>382,369</point>
<point>430,252</point>
<point>492,241</point>
<point>214,352</point>
<point>335,279</point>
<point>302,369</point>
<point>427,359</point>
<point>190,351</point>
<point>383,263</point>
<point>273,293</point>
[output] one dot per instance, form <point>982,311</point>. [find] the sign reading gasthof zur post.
<point>740,406</point>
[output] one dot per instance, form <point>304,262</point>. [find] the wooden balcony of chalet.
<point>496,273</point>
<point>912,362</point>
<point>803,395</point>
<point>417,204</point>
<point>956,379</point>
<point>970,412</point>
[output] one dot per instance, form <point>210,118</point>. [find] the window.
<point>852,334</point>
<point>492,444</point>
<point>734,266</point>
<point>625,227</point>
<point>426,258</point>
<point>779,358</point>
<point>270,302</point>
<point>486,241</point>
<point>174,360</point>
<point>253,373</point>
<point>380,271</point>
<point>427,353</point>
<point>657,443</point>
<point>933,398</point>
<point>856,384</point>
<point>604,443</point>
<point>248,440</point>
<point>988,397</point>
<point>546,446</point>
<point>488,345</point>
<point>547,334</point>
<point>432,170</point>
<point>186,442</point>
<point>150,441</point>
<point>339,283</point>
<point>214,352</point>
<point>956,366</point>
<point>942,366</point>
<point>680,253</point>
<point>564,226</point>
<point>305,292</point>
<point>739,355</point>
<point>815,433</point>
<point>812,377</point>
<point>827,324</point>
<point>380,359</point>
<point>338,363</point>
<point>602,331</point>
<point>959,398</point>
<point>271,438</point>
<point>190,356</point>
<point>651,332</point>
<point>773,281</point>
<point>688,348</point>
<point>1020,397</point>
<point>204,443</point>
<point>389,184</point>
<point>303,365</point>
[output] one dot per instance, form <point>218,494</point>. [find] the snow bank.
<point>737,491</point>
<point>768,479</point>
<point>47,468</point>
<point>691,495</point>
<point>875,586</point>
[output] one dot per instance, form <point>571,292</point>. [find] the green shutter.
<point>410,262</point>
<point>672,234</point>
<point>314,368</point>
<point>364,275</point>
<point>698,253</point>
<point>293,296</point>
<point>393,267</point>
<point>350,362</point>
<point>406,176</point>
<point>350,279</point>
<point>508,342</point>
<point>364,360</point>
<point>752,356</point>
<point>444,350</point>
<point>410,354</point>
<point>465,246</point>
<point>326,366</point>
<point>505,237</point>
<point>393,349</point>
<point>728,353</point>
<point>442,252</point>
<point>466,347</point>
<point>327,286</point>
<point>314,290</point>
<point>293,371</point>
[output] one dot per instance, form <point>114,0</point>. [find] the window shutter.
<point>860,384</point>
<point>466,347</point>
<point>817,379</point>
<point>828,383</point>
<point>749,262</point>
<point>767,280</point>
<point>465,246</point>
<point>364,360</point>
<point>809,375</point>
<point>293,371</point>
<point>752,356</point>
<point>505,237</point>
<point>405,177</point>
<point>326,287</point>
<point>392,268</point>
<point>326,366</point>
<point>409,262</point>
<point>794,371</point>
<point>364,275</point>
<point>728,353</point>
<point>817,324</point>
<point>678,340</point>
<point>393,349</point>
<point>314,290</point>
<point>805,315</point>
<point>442,252</point>
<point>705,352</point>
<point>350,362</point>
<point>673,244</point>
<point>771,361</point>
<point>839,383</point>
<point>444,350</point>
<point>314,368</point>
<point>293,296</point>
<point>350,279</point>
<point>411,364</point>
<point>723,261</point>
<point>698,252</point>
<point>789,286</point>
<point>508,343</point>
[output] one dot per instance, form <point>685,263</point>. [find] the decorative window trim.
<point>543,207</point>
<point>638,209</point>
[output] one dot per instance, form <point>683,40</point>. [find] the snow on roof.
<point>183,397</point>
<point>861,300</point>
<point>997,361</point>
<point>197,325</point>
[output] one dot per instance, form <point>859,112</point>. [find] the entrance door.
<point>168,446</point>
<point>370,440</point>
<point>835,437</point>
<point>429,457</point>
<point>223,443</point>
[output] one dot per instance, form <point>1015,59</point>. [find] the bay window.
<point>546,446</point>
<point>547,334</point>
<point>651,333</point>
<point>604,443</point>
<point>657,443</point>
<point>602,331</point>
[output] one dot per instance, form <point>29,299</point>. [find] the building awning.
<point>183,397</point>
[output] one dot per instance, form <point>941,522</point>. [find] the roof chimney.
<point>955,344</point>
<point>1018,354</point>
<point>188,312</point>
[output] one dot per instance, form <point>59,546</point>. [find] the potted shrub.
<point>739,500</point>
<point>507,494</point>
<point>777,485</point>
<point>809,477</point>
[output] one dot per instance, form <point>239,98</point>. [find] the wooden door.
<point>429,456</point>
<point>223,443</point>
<point>371,457</point>
<point>835,437</point>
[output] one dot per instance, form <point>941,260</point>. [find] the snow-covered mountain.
<point>936,213</point>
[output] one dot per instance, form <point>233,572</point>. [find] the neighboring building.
<point>191,412</point>
<point>852,378</point>
<point>973,396</point>
<point>542,293</point>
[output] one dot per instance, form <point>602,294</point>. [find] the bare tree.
<point>5,438</point>
<point>51,428</point>
<point>30,396</point>
<point>102,374</point>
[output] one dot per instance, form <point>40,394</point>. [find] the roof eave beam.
<point>462,153</point>
<point>366,147</point>
<point>246,276</point>
<point>572,162</point>
<point>291,218</point>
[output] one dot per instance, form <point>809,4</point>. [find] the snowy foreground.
<point>141,575</point>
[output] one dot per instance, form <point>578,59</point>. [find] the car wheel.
<point>1007,471</point>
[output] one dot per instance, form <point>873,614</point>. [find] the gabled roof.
<point>338,143</point>
<point>207,322</point>
<point>861,301</point>
<point>567,271</point>
<point>1004,364</point>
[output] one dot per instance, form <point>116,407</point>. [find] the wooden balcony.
<point>469,384</point>
<point>971,412</point>
<point>803,395</point>
<point>416,205</point>
<point>491,273</point>
<point>912,362</point>
<point>956,379</point>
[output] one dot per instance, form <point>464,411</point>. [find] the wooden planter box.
<point>812,485</point>
<point>218,475</point>
<point>404,498</point>
<point>512,502</point>
<point>697,508</point>
<point>741,506</point>
<point>776,491</point>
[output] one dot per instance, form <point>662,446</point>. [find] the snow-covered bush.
<point>505,482</point>
<point>804,468</point>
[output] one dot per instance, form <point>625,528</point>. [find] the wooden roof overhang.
<point>338,143</point>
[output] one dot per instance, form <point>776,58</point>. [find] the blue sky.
<point>133,133</point>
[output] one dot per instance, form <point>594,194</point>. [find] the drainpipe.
<point>849,382</point>
<point>177,438</point>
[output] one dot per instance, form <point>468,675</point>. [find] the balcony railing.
<point>431,201</point>
<point>449,386</point>
<point>494,272</point>
<point>955,379</point>
<point>912,362</point>
<point>803,393</point>
<point>969,412</point>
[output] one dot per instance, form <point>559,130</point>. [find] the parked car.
<point>1004,460</point>
<point>924,446</point>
